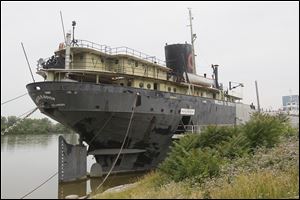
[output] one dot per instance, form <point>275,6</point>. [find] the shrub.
<point>186,160</point>
<point>236,146</point>
<point>214,135</point>
<point>263,130</point>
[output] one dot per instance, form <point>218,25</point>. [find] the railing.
<point>197,128</point>
<point>97,66</point>
<point>118,50</point>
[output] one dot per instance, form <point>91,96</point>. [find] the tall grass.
<point>266,184</point>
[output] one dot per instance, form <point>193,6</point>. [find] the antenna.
<point>193,38</point>
<point>63,27</point>
<point>27,62</point>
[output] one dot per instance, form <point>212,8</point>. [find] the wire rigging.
<point>14,98</point>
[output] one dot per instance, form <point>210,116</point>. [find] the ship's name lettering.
<point>40,97</point>
<point>186,111</point>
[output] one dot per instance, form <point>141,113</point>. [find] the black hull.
<point>101,114</point>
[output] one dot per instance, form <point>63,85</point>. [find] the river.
<point>28,160</point>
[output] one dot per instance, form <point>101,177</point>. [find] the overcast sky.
<point>248,40</point>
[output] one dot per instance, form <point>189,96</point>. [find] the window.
<point>136,64</point>
<point>169,89</point>
<point>174,89</point>
<point>149,86</point>
<point>155,86</point>
<point>116,61</point>
<point>141,84</point>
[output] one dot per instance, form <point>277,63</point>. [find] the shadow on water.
<point>80,187</point>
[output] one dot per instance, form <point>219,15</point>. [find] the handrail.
<point>118,50</point>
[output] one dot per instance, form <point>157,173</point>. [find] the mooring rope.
<point>115,161</point>
<point>39,186</point>
<point>18,122</point>
<point>14,99</point>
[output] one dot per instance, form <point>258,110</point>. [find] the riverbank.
<point>264,165</point>
<point>32,126</point>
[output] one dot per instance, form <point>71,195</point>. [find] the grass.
<point>266,184</point>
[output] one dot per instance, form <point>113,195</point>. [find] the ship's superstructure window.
<point>155,86</point>
<point>149,86</point>
<point>136,64</point>
<point>214,95</point>
<point>174,89</point>
<point>141,84</point>
<point>169,89</point>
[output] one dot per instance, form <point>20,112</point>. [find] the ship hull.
<point>101,114</point>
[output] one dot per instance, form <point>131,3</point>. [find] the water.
<point>28,160</point>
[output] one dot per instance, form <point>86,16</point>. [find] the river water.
<point>28,160</point>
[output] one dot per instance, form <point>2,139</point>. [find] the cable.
<point>14,99</point>
<point>39,186</point>
<point>115,161</point>
<point>16,123</point>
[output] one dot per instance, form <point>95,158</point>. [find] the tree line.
<point>33,126</point>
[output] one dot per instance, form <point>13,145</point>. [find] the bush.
<point>263,130</point>
<point>214,135</point>
<point>236,146</point>
<point>187,160</point>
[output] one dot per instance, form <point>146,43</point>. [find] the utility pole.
<point>257,96</point>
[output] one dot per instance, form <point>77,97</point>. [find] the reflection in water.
<point>80,187</point>
<point>28,160</point>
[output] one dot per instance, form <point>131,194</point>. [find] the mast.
<point>193,38</point>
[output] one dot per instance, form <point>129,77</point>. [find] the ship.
<point>111,95</point>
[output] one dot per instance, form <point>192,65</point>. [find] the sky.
<point>248,40</point>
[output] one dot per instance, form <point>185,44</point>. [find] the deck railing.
<point>118,50</point>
